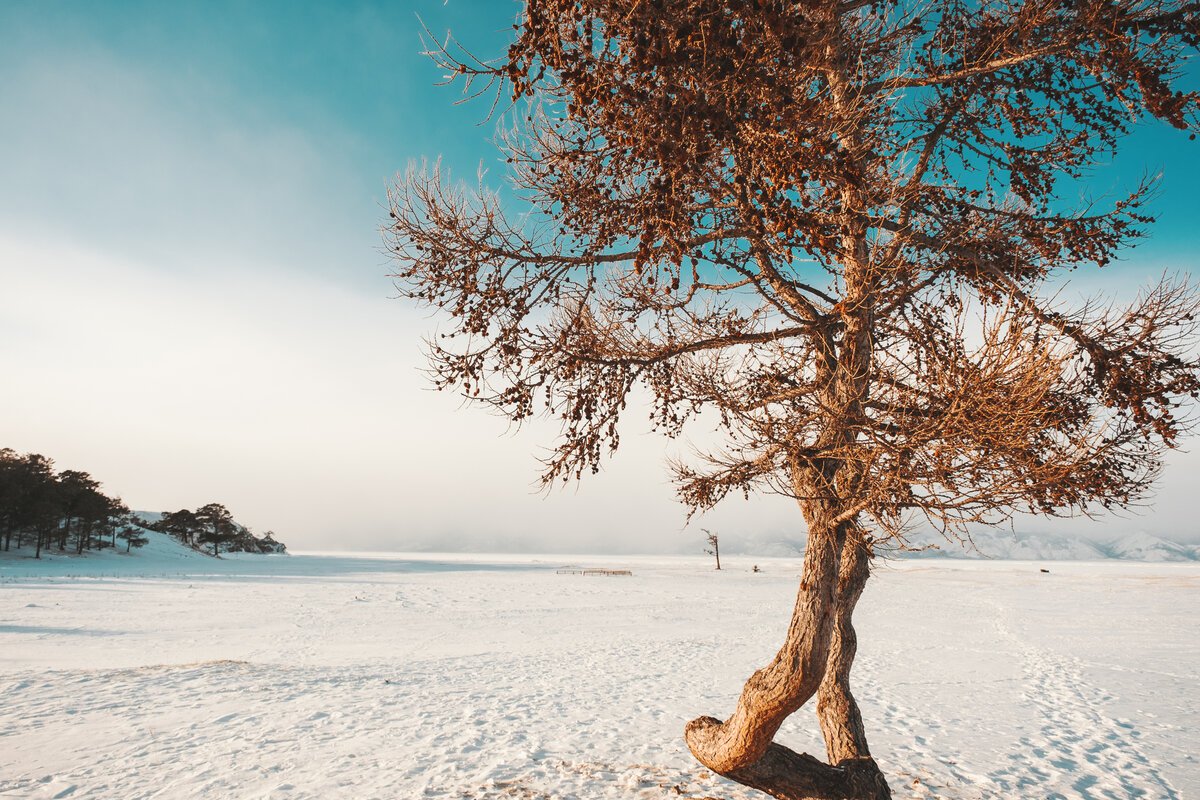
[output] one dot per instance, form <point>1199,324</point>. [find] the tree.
<point>132,535</point>
<point>216,525</point>
<point>97,515</point>
<point>181,524</point>
<point>11,491</point>
<point>42,503</point>
<point>77,490</point>
<point>45,503</point>
<point>836,228</point>
<point>714,545</point>
<point>116,515</point>
<point>29,497</point>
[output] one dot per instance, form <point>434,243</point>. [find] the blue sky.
<point>343,90</point>
<point>195,300</point>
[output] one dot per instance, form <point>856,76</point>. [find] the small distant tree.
<point>714,545</point>
<point>132,535</point>
<point>10,493</point>
<point>97,515</point>
<point>837,228</point>
<point>79,494</point>
<point>216,525</point>
<point>181,524</point>
<point>27,484</point>
<point>117,515</point>
<point>40,510</point>
<point>270,544</point>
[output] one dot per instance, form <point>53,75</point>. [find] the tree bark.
<point>814,659</point>
<point>841,721</point>
<point>787,775</point>
<point>741,748</point>
<point>774,692</point>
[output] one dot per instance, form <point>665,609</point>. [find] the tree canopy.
<point>751,207</point>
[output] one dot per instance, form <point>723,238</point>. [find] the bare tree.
<point>714,545</point>
<point>836,227</point>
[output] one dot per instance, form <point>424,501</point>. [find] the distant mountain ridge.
<point>1034,547</point>
<point>1006,546</point>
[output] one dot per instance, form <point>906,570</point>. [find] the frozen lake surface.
<point>360,676</point>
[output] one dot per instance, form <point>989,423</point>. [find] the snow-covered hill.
<point>161,555</point>
<point>243,541</point>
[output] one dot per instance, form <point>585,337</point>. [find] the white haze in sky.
<point>193,308</point>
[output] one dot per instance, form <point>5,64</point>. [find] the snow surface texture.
<point>396,677</point>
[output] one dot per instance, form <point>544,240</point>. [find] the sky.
<point>194,302</point>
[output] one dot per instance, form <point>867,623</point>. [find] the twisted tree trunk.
<point>815,659</point>
<point>774,692</point>
<point>841,721</point>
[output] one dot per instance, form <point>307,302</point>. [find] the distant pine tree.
<point>181,524</point>
<point>132,536</point>
<point>68,508</point>
<point>216,525</point>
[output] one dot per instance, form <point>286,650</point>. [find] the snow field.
<point>336,676</point>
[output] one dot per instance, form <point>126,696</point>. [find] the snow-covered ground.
<point>330,676</point>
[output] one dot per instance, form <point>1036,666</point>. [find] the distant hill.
<point>1005,546</point>
<point>1035,547</point>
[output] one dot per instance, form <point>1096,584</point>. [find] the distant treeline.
<point>67,511</point>
<point>64,509</point>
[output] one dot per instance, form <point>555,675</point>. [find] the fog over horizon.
<point>195,303</point>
